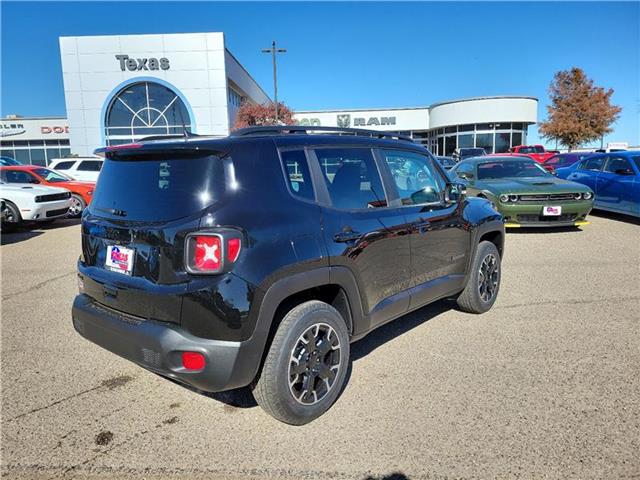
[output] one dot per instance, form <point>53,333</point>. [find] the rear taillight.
<point>193,361</point>
<point>209,253</point>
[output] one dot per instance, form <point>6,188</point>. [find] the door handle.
<point>347,235</point>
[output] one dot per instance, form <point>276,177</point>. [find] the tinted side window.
<point>592,164</point>
<point>617,163</point>
<point>64,165</point>
<point>352,178</point>
<point>90,166</point>
<point>297,172</point>
<point>15,176</point>
<point>416,177</point>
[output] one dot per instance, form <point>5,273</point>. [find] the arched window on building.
<point>143,109</point>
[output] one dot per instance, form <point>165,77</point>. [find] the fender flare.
<point>255,346</point>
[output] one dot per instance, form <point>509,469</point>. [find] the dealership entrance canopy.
<point>119,89</point>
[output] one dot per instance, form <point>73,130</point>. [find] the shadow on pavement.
<point>243,398</point>
<point>30,230</point>
<point>391,476</point>
<point>543,230</point>
<point>618,217</point>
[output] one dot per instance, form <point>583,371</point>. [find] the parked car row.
<point>525,193</point>
<point>613,176</point>
<point>58,195</point>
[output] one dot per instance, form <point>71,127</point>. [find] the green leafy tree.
<point>580,112</point>
<point>252,115</point>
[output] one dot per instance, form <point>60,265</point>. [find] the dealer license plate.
<point>552,211</point>
<point>119,259</point>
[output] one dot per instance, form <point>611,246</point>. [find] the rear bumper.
<point>158,346</point>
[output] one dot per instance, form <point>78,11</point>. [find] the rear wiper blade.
<point>113,211</point>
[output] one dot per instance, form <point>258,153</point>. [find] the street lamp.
<point>274,51</point>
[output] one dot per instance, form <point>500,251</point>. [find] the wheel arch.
<point>8,203</point>
<point>333,285</point>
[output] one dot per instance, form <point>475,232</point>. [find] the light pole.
<point>274,51</point>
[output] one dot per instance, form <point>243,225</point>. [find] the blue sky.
<point>354,55</point>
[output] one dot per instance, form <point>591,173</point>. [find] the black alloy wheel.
<point>488,277</point>
<point>315,363</point>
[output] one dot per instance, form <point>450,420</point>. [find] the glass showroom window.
<point>144,109</point>
<point>485,140</point>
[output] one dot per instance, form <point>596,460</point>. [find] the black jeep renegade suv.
<point>256,259</point>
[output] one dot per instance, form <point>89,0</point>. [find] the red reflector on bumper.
<point>193,360</point>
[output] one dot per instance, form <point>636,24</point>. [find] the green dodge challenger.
<point>524,192</point>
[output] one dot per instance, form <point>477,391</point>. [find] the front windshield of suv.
<point>510,169</point>
<point>51,176</point>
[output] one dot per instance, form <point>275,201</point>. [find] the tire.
<point>481,292</point>
<point>324,369</point>
<point>13,216</point>
<point>77,206</point>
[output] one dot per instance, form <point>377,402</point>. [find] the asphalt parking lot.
<point>545,385</point>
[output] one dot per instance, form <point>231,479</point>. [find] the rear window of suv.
<point>63,165</point>
<point>158,189</point>
<point>90,166</point>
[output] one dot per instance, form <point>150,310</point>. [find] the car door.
<point>615,184</point>
<point>439,235</point>
<point>363,231</point>
<point>587,172</point>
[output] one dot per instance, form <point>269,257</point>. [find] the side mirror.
<point>466,175</point>
<point>454,192</point>
<point>624,171</point>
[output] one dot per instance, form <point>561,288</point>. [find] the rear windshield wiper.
<point>113,211</point>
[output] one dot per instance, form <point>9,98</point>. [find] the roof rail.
<point>298,129</point>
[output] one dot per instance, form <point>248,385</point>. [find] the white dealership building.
<point>493,123</point>
<point>121,88</point>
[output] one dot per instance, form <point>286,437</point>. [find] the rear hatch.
<point>134,230</point>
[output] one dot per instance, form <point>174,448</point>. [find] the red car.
<point>548,167</point>
<point>537,152</point>
<point>81,192</point>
